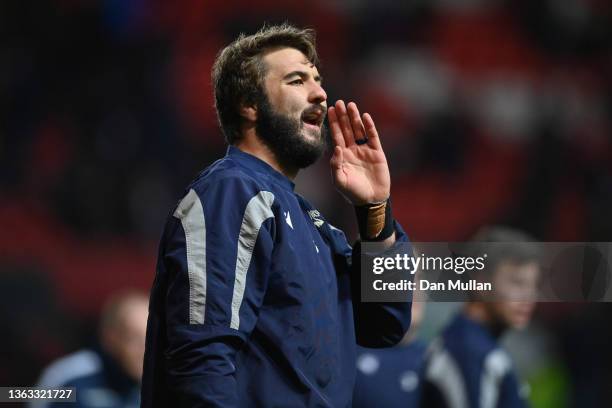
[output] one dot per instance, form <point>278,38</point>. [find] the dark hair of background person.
<point>503,244</point>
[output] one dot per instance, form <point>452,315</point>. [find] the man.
<point>108,375</point>
<point>390,377</point>
<point>256,300</point>
<point>466,367</point>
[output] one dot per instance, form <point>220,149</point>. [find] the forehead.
<point>282,61</point>
<point>523,270</point>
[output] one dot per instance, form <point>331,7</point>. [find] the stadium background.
<point>490,112</point>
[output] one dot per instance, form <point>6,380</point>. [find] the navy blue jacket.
<point>389,377</point>
<point>254,302</point>
<point>98,380</point>
<point>466,368</point>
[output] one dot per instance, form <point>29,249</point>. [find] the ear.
<point>249,112</point>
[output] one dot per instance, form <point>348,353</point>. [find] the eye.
<point>298,81</point>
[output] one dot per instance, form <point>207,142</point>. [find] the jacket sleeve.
<point>217,255</point>
<point>510,393</point>
<point>379,324</point>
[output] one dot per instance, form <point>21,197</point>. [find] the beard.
<point>283,135</point>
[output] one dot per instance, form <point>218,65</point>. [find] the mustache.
<point>315,110</point>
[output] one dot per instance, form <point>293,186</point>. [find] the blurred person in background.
<point>255,301</point>
<point>466,367</point>
<point>391,377</point>
<point>107,375</point>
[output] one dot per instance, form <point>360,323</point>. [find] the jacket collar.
<point>255,164</point>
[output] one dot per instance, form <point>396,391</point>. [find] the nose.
<point>317,94</point>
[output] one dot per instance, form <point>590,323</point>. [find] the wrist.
<point>375,220</point>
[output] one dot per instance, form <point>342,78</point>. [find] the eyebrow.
<point>303,74</point>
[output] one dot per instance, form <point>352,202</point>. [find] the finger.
<point>334,126</point>
<point>336,167</point>
<point>356,123</point>
<point>345,124</point>
<point>370,128</point>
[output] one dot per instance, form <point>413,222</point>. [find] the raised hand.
<point>358,164</point>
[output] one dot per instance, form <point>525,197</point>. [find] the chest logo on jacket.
<point>315,217</point>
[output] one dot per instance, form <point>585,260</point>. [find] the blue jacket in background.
<point>389,377</point>
<point>256,298</point>
<point>98,380</point>
<point>466,368</point>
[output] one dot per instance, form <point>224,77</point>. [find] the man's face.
<point>125,341</point>
<point>290,118</point>
<point>516,285</point>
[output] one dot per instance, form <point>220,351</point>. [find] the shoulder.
<point>225,188</point>
<point>497,363</point>
<point>71,368</point>
<point>226,175</point>
<point>470,355</point>
<point>466,338</point>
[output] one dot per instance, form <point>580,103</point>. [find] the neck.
<point>478,312</point>
<point>250,143</point>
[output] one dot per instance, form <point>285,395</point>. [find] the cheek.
<point>290,102</point>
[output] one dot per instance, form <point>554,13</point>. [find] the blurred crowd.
<point>490,111</point>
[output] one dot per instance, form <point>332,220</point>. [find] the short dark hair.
<point>509,245</point>
<point>238,71</point>
<point>500,245</point>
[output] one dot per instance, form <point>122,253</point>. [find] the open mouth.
<point>314,117</point>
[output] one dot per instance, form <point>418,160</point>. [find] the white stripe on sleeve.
<point>496,365</point>
<point>258,210</point>
<point>191,214</point>
<point>444,372</point>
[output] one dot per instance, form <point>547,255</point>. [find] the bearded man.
<point>256,297</point>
